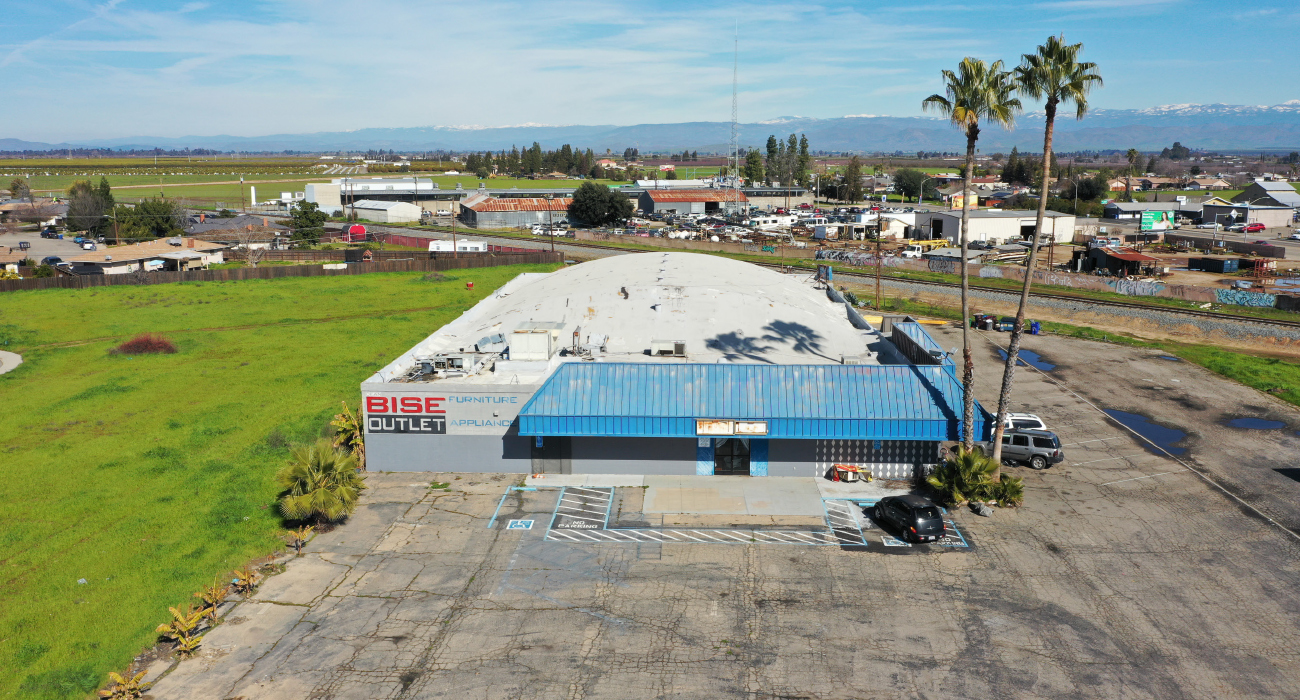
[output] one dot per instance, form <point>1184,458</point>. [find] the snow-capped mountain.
<point>1217,127</point>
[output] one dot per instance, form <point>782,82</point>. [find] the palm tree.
<point>976,92</point>
<point>320,482</point>
<point>1133,156</point>
<point>1054,75</point>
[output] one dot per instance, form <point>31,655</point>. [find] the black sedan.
<point>916,518</point>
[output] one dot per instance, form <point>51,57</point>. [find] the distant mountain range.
<point>1216,127</point>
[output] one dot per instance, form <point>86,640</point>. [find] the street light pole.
<point>550,228</point>
<point>920,196</point>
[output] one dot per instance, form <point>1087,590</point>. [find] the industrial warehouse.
<point>666,363</point>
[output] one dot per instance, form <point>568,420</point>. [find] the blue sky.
<point>78,70</point>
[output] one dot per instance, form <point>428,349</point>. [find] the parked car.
<point>1237,228</point>
<point>1216,227</point>
<point>1039,448</point>
<point>51,260</point>
<point>1294,236</point>
<point>1024,421</point>
<point>1254,228</point>
<point>915,517</point>
<point>444,212</point>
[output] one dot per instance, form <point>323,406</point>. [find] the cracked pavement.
<point>1123,576</point>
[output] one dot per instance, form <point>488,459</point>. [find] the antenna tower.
<point>733,156</point>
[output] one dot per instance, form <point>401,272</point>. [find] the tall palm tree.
<point>976,92</point>
<point>1133,156</point>
<point>1055,75</point>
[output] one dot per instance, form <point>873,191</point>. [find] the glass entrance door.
<point>731,457</point>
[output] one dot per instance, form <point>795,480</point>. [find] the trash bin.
<point>1035,328</point>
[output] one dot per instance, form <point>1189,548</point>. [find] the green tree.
<point>754,166</point>
<point>88,206</point>
<point>805,162</point>
<point>148,219</point>
<point>1194,170</point>
<point>1056,75</point>
<point>597,205</point>
<point>853,180</point>
<point>909,181</point>
<point>19,189</point>
<point>1151,164</point>
<point>773,155</point>
<point>976,92</point>
<point>307,222</point>
<point>1132,156</point>
<point>320,483</point>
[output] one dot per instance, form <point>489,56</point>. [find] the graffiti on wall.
<point>1136,288</point>
<point>859,259</point>
<point>947,267</point>
<point>1244,298</point>
<point>990,271</point>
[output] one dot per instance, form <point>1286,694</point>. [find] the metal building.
<point>665,363</point>
<point>678,201</point>
<point>385,212</point>
<point>484,212</point>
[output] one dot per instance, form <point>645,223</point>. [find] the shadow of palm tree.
<point>735,345</point>
<point>804,339</point>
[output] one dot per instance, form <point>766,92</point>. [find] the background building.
<point>664,363</point>
<point>484,212</point>
<point>996,226</point>
<point>684,201</point>
<point>385,212</point>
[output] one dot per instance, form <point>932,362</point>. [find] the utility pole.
<point>454,213</point>
<point>880,230</point>
<point>550,228</point>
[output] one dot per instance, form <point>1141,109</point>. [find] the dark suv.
<point>915,517</point>
<point>1040,448</point>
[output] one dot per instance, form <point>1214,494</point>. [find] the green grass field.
<point>147,477</point>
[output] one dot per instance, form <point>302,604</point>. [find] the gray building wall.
<point>449,453</point>
<point>633,455</point>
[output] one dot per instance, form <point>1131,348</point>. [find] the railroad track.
<point>1200,313</point>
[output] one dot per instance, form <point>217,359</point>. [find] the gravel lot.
<point>1125,575</point>
<point>1137,321</point>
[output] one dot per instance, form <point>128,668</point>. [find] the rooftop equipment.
<point>668,348</point>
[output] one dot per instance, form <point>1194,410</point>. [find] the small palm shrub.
<point>146,344</point>
<point>212,597</point>
<point>1009,492</point>
<point>320,483</point>
<point>125,687</point>
<point>965,476</point>
<point>350,434</point>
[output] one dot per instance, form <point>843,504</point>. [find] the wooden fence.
<point>356,255</point>
<point>248,273</point>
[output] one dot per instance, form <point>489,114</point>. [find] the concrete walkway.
<point>733,495</point>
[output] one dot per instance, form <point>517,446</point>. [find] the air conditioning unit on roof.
<point>668,348</point>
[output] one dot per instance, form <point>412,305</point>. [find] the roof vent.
<point>176,241</point>
<point>668,348</point>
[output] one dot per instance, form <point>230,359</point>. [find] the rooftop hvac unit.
<point>853,360</point>
<point>532,344</point>
<point>668,348</point>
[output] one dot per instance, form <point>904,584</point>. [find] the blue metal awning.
<point>851,402</point>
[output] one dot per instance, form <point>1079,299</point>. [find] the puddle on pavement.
<point>1255,424</point>
<point>1166,438</point>
<point>1029,357</point>
<point>1170,358</point>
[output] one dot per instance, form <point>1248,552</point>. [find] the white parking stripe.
<point>1107,459</point>
<point>1149,476</point>
<point>1072,444</point>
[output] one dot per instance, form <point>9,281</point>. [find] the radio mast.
<point>733,155</point>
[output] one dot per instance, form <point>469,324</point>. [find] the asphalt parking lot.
<point>1125,575</point>
<point>41,247</point>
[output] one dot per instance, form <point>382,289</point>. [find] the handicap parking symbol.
<point>519,525</point>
